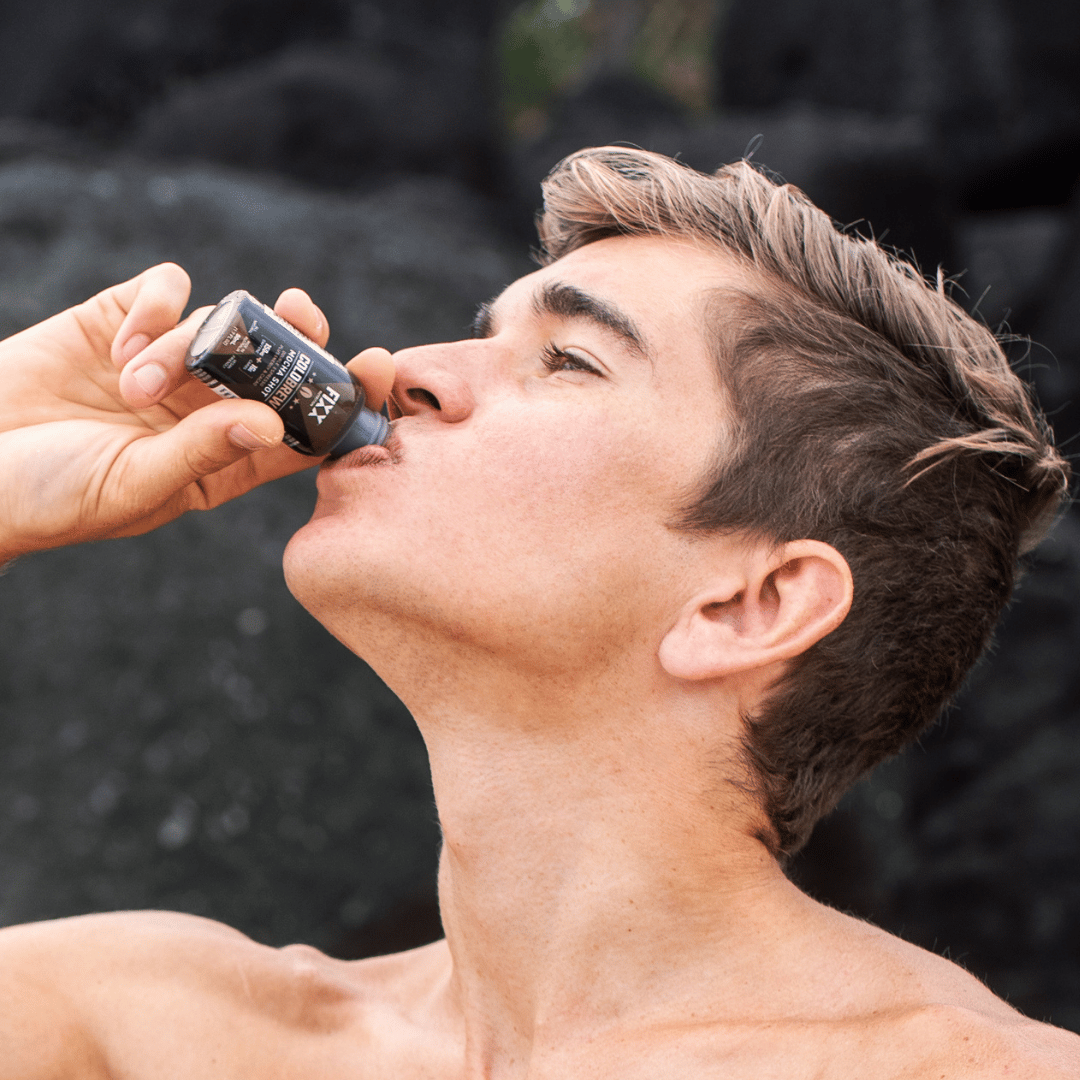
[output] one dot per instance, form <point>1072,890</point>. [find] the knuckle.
<point>203,458</point>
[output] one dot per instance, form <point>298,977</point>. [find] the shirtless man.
<point>711,515</point>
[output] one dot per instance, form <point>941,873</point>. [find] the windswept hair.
<point>871,413</point>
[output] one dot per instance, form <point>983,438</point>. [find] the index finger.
<point>154,301</point>
<point>296,307</point>
<point>374,368</point>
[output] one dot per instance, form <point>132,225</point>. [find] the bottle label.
<point>244,350</point>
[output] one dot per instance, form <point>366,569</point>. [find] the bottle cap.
<point>364,429</point>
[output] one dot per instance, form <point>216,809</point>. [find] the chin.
<point>312,562</point>
<point>338,580</point>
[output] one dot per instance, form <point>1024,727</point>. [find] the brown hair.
<point>871,413</point>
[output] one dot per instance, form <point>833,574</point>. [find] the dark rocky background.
<point>176,732</point>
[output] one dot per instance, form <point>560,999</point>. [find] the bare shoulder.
<point>59,955</point>
<point>939,1041</point>
<point>936,1021</point>
<point>79,997</point>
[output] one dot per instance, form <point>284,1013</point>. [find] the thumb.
<point>202,443</point>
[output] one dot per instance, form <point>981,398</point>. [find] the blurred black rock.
<point>997,80</point>
<point>339,116</point>
<point>175,731</point>
<point>1054,319</point>
<point>334,92</point>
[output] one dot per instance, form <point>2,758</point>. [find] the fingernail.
<point>150,377</point>
<point>134,345</point>
<point>245,439</point>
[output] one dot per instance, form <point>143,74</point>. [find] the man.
<point>712,514</point>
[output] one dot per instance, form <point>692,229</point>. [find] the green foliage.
<point>673,49</point>
<point>543,45</point>
<point>548,46</point>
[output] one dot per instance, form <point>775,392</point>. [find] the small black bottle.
<point>244,350</point>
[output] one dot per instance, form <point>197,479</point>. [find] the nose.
<point>430,379</point>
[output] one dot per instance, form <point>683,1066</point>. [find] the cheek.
<point>596,472</point>
<point>573,526</point>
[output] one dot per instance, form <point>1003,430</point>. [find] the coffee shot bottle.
<point>244,350</point>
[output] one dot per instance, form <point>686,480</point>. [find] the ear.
<point>778,603</point>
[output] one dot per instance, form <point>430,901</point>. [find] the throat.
<point>582,885</point>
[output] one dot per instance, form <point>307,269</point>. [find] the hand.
<point>103,433</point>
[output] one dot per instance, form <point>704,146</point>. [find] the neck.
<point>598,866</point>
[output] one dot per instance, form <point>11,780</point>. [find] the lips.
<point>387,454</point>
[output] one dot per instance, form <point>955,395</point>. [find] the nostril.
<point>423,397</point>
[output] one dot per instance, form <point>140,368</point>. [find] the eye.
<point>556,359</point>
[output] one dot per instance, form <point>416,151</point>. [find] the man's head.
<point>703,367</point>
<point>867,411</point>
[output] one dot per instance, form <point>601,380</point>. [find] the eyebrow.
<point>569,302</point>
<point>483,324</point>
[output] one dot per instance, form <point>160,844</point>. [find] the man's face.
<point>536,470</point>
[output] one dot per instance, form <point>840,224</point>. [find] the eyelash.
<point>556,359</point>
